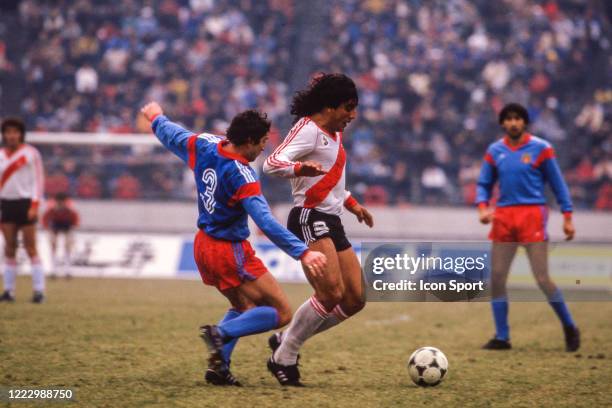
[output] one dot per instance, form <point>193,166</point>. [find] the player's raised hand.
<point>568,229</point>
<point>485,215</point>
<point>151,110</point>
<point>309,169</point>
<point>315,262</point>
<point>362,215</point>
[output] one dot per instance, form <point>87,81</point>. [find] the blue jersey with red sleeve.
<point>522,172</point>
<point>228,188</point>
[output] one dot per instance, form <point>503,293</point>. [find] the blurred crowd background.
<point>432,76</point>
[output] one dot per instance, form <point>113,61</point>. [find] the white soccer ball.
<point>427,366</point>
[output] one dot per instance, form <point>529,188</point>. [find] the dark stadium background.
<point>432,76</point>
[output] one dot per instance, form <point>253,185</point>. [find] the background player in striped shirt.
<point>21,190</point>
<point>522,163</point>
<point>313,157</point>
<point>228,189</point>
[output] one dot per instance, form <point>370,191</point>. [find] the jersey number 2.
<point>209,178</point>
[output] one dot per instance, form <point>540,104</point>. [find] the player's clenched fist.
<point>485,215</point>
<point>568,229</point>
<point>151,110</point>
<point>315,262</point>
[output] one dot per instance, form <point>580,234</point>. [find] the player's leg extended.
<point>502,254</point>
<point>271,308</point>
<point>329,290</point>
<point>239,304</point>
<point>353,299</point>
<point>9,231</point>
<point>537,252</point>
<point>258,305</point>
<point>38,275</point>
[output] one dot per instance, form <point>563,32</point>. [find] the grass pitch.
<point>134,343</point>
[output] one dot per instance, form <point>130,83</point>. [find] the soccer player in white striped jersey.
<point>21,190</point>
<point>313,158</point>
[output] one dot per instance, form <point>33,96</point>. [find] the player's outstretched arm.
<point>284,160</point>
<point>259,210</point>
<point>174,137</point>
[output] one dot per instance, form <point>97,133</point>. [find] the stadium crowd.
<point>431,76</point>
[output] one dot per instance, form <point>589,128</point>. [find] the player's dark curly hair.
<point>14,123</point>
<point>324,91</point>
<point>248,126</point>
<point>516,108</point>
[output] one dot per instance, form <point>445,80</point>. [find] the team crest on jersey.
<point>325,142</point>
<point>526,158</point>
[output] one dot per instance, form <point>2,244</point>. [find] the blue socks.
<point>229,346</point>
<point>256,320</point>
<point>558,304</point>
<point>500,315</point>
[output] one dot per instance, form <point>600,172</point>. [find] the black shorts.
<point>60,227</point>
<point>16,211</point>
<point>310,225</point>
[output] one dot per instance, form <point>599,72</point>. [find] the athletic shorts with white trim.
<point>310,225</point>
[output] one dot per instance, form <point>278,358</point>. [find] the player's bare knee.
<point>331,297</point>
<point>353,306</point>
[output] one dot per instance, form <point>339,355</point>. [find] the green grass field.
<point>134,343</point>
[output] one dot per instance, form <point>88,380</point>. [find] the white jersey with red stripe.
<point>21,174</point>
<point>307,142</point>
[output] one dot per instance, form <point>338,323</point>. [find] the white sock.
<point>304,324</point>
<point>337,316</point>
<point>54,264</point>
<point>10,274</point>
<point>67,265</point>
<point>38,275</point>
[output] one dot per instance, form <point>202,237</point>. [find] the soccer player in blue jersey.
<point>522,164</point>
<point>228,189</point>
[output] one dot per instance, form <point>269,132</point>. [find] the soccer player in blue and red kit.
<point>522,164</point>
<point>228,189</point>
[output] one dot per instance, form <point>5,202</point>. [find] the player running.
<point>522,163</point>
<point>21,190</point>
<point>313,158</point>
<point>228,190</point>
<point>60,219</point>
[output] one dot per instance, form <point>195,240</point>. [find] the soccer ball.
<point>427,366</point>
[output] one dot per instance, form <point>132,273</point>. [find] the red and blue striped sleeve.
<point>247,191</point>
<point>259,210</point>
<point>243,182</point>
<point>175,138</point>
<point>552,173</point>
<point>486,180</point>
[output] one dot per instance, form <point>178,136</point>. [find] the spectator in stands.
<point>431,75</point>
